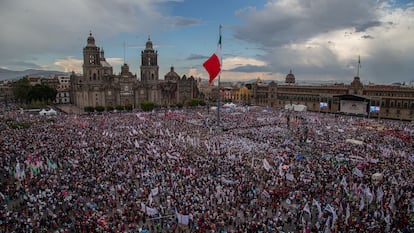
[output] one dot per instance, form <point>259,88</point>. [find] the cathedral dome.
<point>290,78</point>
<point>172,75</point>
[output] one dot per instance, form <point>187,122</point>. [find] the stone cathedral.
<point>99,86</point>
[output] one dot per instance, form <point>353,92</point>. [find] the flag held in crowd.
<point>347,214</point>
<point>266,165</point>
<point>266,194</point>
<point>307,209</point>
<point>358,172</point>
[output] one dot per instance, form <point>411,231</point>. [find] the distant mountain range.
<point>6,74</point>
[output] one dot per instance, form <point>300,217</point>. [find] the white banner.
<point>182,219</point>
<point>266,165</point>
<point>154,191</point>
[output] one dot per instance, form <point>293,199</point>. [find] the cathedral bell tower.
<point>149,63</point>
<point>91,59</point>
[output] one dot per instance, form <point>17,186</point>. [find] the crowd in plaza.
<point>262,170</point>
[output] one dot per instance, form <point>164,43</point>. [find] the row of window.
<point>63,94</point>
<point>398,111</point>
<point>393,94</point>
<point>62,101</point>
<point>305,98</point>
<point>392,103</point>
<point>398,104</point>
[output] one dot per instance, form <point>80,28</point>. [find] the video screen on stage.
<point>374,109</point>
<point>323,105</point>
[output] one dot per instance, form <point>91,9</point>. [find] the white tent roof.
<point>354,141</point>
<point>296,107</point>
<point>43,112</point>
<point>229,105</point>
<point>50,112</point>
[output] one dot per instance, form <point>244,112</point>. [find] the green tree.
<point>36,104</point>
<point>128,107</point>
<point>194,102</point>
<point>42,92</point>
<point>119,108</point>
<point>100,108</point>
<point>202,103</point>
<point>21,90</point>
<point>88,109</point>
<point>147,106</point>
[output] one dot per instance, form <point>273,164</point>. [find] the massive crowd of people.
<point>173,171</point>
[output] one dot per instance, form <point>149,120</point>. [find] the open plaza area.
<point>265,170</point>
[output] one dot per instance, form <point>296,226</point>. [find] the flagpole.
<point>359,65</point>
<point>219,96</point>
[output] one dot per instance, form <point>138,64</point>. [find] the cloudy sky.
<point>316,39</point>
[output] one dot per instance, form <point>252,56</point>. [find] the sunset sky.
<point>316,39</point>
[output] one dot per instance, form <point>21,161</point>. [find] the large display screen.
<point>374,109</point>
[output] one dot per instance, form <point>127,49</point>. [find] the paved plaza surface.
<point>265,170</point>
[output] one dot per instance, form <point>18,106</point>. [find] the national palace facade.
<point>99,86</point>
<point>378,101</point>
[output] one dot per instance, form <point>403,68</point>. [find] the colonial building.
<point>6,94</point>
<point>382,101</point>
<point>99,86</point>
<point>63,94</point>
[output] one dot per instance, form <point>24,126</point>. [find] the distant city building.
<point>34,79</point>
<point>6,93</point>
<point>98,86</point>
<point>59,82</point>
<point>63,95</point>
<point>64,82</point>
<point>52,82</point>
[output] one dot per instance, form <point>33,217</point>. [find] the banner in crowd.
<point>149,211</point>
<point>182,218</point>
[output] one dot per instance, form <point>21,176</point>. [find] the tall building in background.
<point>99,86</point>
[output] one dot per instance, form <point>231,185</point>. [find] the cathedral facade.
<point>99,86</point>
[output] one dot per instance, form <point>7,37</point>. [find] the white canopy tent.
<point>229,105</point>
<point>49,112</point>
<point>354,141</point>
<point>296,107</point>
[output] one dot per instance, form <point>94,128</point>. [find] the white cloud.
<point>69,64</point>
<point>39,29</point>
<point>234,62</point>
<point>116,63</point>
<point>243,76</point>
<point>323,38</point>
<point>195,73</point>
<point>286,21</point>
